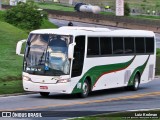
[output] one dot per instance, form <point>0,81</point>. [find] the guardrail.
<point>98,17</point>
<point>124,22</point>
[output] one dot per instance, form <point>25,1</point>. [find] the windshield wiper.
<point>40,61</point>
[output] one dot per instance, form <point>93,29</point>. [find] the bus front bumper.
<point>42,87</point>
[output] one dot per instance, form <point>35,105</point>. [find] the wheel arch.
<point>139,74</point>
<point>130,82</point>
<point>89,79</point>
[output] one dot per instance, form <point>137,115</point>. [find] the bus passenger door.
<point>78,61</point>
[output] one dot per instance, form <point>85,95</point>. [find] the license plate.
<point>44,87</point>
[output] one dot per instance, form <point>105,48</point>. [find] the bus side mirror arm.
<point>70,50</point>
<point>19,47</point>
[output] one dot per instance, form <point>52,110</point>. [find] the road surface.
<point>105,101</point>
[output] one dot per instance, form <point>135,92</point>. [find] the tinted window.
<point>139,45</point>
<point>78,56</point>
<point>149,45</point>
<point>106,46</point>
<point>129,45</point>
<point>93,46</point>
<point>117,45</point>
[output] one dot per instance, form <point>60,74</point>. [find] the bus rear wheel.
<point>85,89</point>
<point>136,83</point>
<point>44,94</point>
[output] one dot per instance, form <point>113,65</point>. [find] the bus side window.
<point>78,61</point>
<point>140,46</point>
<point>106,45</point>
<point>118,45</point>
<point>93,46</point>
<point>129,45</point>
<point>149,45</point>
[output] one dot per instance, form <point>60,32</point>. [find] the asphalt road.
<point>65,23</point>
<point>104,101</point>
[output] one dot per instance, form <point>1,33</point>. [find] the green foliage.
<point>1,16</point>
<point>158,65</point>
<point>157,5</point>
<point>126,9</point>
<point>158,52</point>
<point>25,16</point>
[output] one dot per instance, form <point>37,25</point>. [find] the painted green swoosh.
<point>138,69</point>
<point>96,72</point>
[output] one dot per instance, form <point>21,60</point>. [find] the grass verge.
<point>10,63</point>
<point>158,65</point>
<point>158,62</point>
<point>55,6</point>
<point>158,52</point>
<point>47,24</point>
<point>10,87</point>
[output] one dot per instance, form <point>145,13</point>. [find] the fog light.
<point>63,81</point>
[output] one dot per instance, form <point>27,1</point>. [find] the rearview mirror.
<point>70,50</point>
<point>19,47</point>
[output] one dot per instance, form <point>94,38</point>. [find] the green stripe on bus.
<point>96,72</point>
<point>139,69</point>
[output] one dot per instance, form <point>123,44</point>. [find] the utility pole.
<point>70,2</point>
<point>119,7</point>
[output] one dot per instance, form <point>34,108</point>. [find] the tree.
<point>25,16</point>
<point>126,9</point>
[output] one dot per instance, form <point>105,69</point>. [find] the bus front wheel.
<point>44,94</point>
<point>85,89</point>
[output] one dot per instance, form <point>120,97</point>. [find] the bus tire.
<point>136,83</point>
<point>44,94</point>
<point>85,89</point>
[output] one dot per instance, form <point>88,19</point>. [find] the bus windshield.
<point>47,54</point>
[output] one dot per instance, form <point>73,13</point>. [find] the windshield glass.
<point>47,54</point>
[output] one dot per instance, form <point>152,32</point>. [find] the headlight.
<point>63,81</point>
<point>26,78</point>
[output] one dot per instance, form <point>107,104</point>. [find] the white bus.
<point>83,59</point>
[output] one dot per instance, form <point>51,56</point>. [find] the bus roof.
<point>94,31</point>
